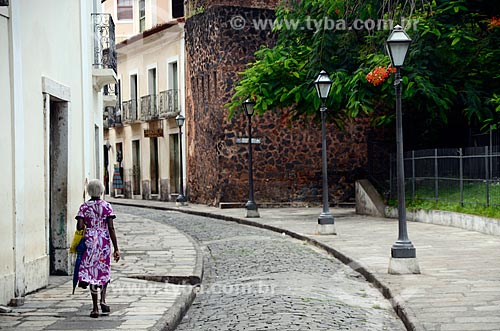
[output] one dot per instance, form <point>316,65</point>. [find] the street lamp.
<point>181,199</point>
<point>251,206</point>
<point>326,223</point>
<point>403,253</point>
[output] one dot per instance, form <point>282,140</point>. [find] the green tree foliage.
<point>452,69</point>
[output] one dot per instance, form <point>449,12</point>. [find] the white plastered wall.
<point>38,43</point>
<point>7,266</point>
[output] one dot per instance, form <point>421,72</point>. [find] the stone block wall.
<point>287,162</point>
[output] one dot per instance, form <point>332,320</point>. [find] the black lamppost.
<point>181,199</point>
<point>326,223</point>
<point>251,206</point>
<point>403,253</point>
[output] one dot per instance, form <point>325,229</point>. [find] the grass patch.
<point>472,209</point>
<point>476,192</point>
<point>474,197</point>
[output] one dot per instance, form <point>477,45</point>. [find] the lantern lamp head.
<point>397,46</point>
<point>323,84</point>
<point>180,120</point>
<point>249,105</point>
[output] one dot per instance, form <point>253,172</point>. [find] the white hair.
<point>95,188</point>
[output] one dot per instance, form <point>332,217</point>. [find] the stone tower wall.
<point>287,161</point>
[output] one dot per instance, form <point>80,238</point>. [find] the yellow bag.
<point>76,240</point>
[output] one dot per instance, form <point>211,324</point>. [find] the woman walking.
<point>96,216</point>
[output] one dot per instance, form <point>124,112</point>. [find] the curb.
<point>173,316</point>
<point>402,310</point>
<point>197,277</point>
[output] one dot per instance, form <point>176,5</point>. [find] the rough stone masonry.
<point>287,157</point>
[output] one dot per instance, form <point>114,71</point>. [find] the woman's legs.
<point>103,293</point>
<point>94,292</point>
<point>104,306</point>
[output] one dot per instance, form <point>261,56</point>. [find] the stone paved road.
<point>259,280</point>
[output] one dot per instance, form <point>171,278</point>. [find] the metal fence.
<point>104,41</point>
<point>168,103</point>
<point>129,111</point>
<point>458,175</point>
<point>149,109</point>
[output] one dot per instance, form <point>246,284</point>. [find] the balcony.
<point>149,109</point>
<point>110,95</point>
<point>152,107</point>
<point>104,65</point>
<point>112,117</point>
<point>129,111</point>
<point>168,104</point>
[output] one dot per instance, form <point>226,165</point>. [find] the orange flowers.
<point>378,75</point>
<point>494,23</point>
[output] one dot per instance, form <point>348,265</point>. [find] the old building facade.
<point>51,78</point>
<point>287,156</point>
<point>142,136</point>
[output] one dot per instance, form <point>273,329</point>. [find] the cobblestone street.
<point>259,280</point>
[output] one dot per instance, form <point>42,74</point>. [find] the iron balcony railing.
<point>129,111</point>
<point>112,116</point>
<point>117,116</point>
<point>152,107</point>
<point>106,117</point>
<point>149,109</point>
<point>104,41</point>
<point>168,103</point>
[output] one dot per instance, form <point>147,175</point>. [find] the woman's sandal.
<point>105,308</point>
<point>94,314</point>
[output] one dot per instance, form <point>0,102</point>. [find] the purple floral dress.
<point>96,259</point>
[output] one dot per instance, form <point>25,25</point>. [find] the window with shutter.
<point>125,9</point>
<point>142,15</point>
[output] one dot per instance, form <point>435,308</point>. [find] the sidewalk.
<point>458,289</point>
<point>138,295</point>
